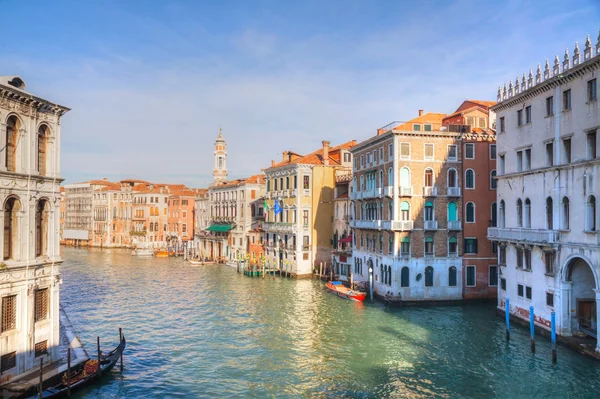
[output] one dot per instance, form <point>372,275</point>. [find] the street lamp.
<point>371,282</point>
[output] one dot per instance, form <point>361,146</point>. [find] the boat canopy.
<point>220,227</point>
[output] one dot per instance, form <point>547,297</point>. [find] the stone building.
<point>303,186</point>
<point>548,174</point>
<point>342,261</point>
<point>181,205</point>
<point>30,194</point>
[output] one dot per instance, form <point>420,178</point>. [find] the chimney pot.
<point>326,152</point>
<point>420,112</point>
<point>272,163</point>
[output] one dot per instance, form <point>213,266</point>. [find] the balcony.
<point>524,235</point>
<point>402,225</point>
<point>370,224</point>
<point>406,191</point>
<point>388,191</point>
<point>429,191</point>
<point>294,192</point>
<point>306,192</point>
<point>454,225</point>
<point>430,225</point>
<point>280,227</point>
<point>453,192</point>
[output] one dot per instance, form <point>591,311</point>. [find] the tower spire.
<point>220,155</point>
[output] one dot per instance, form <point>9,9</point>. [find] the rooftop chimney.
<point>284,157</point>
<point>420,112</point>
<point>326,152</point>
<point>272,163</point>
<point>105,179</point>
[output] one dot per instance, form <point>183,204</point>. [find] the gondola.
<point>81,376</point>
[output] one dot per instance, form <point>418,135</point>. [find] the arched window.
<point>156,226</point>
<point>429,276</point>
<point>527,213</point>
<point>469,178</point>
<point>501,214</point>
<point>41,150</point>
<point>353,184</point>
<point>428,177</point>
<point>470,213</point>
<point>151,227</point>
<point>452,180</point>
<point>494,217</point>
<point>11,208</point>
<point>389,274</point>
<point>428,211</point>
<point>41,228</point>
<point>12,132</point>
<point>452,276</point>
<point>362,183</point>
<point>391,211</point>
<point>114,212</point>
<point>452,246</point>
<point>390,181</point>
<point>381,179</point>
<point>404,277</point>
<point>405,210</point>
<point>590,219</point>
<point>519,213</point>
<point>405,177</point>
<point>405,247</point>
<point>493,180</point>
<point>452,214</point>
<point>565,214</point>
<point>549,216</point>
<point>429,246</point>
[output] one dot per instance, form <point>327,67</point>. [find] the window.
<point>520,117</point>
<point>429,246</point>
<point>471,276</point>
<point>362,161</point>
<point>405,247</point>
<point>305,217</point>
<point>404,277</point>
<point>452,276</point>
<point>549,106</point>
<point>428,151</point>
<point>590,219</point>
<point>9,313</point>
<point>8,361</point>
<point>470,151</point>
<point>528,292</point>
<point>470,120</point>
<point>404,151</point>
<point>427,128</point>
<point>549,261</point>
<point>591,90</point>
<point>347,156</point>
<point>41,153</point>
<point>520,290</point>
<point>519,257</point>
<point>502,125</point>
<point>429,276</point>
<point>452,246</point>
<point>492,151</point>
<point>41,348</point>
<point>41,304</point>
<point>493,276</point>
<point>549,215</point>
<point>565,214</point>
<point>527,159</point>
<point>469,178</point>
<point>527,253</point>
<point>519,161</point>
<point>416,128</point>
<point>428,211</point>
<point>470,212</point>
<point>482,123</point>
<point>493,180</point>
<point>381,154</point>
<point>470,245</point>
<point>306,182</point>
<point>494,215</point>
<point>527,214</point>
<point>550,299</point>
<point>567,150</point>
<point>567,100</point>
<point>519,213</point>
<point>503,284</point>
<point>591,145</point>
<point>528,114</point>
<point>502,164</point>
<point>452,155</point>
<point>428,177</point>
<point>452,181</point>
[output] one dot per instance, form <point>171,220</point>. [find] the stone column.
<point>2,146</point>
<point>597,319</point>
<point>564,308</point>
<point>23,154</point>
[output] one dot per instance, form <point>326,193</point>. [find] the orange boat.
<point>337,288</point>
<point>161,254</point>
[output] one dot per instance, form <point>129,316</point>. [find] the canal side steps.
<point>24,382</point>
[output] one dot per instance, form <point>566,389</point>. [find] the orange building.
<point>180,223</point>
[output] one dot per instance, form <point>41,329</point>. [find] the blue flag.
<point>277,207</point>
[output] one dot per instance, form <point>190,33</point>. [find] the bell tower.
<point>220,169</point>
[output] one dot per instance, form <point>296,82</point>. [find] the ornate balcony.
<point>388,191</point>
<point>454,225</point>
<point>402,225</point>
<point>406,191</point>
<point>280,227</point>
<point>453,192</point>
<point>430,225</point>
<point>429,191</point>
<point>524,235</point>
<point>370,224</point>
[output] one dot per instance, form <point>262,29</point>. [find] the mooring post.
<point>553,328</point>
<point>263,270</point>
<point>41,378</point>
<point>98,339</point>
<point>120,342</point>
<point>507,319</point>
<point>532,328</point>
<point>69,372</point>
<point>321,271</point>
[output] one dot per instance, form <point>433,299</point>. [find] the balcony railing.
<point>370,224</point>
<point>454,225</point>
<point>388,191</point>
<point>402,225</point>
<point>429,191</point>
<point>279,226</point>
<point>520,234</point>
<point>453,191</point>
<point>406,191</point>
<point>294,192</point>
<point>431,225</point>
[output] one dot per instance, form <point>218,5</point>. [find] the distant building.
<point>220,158</point>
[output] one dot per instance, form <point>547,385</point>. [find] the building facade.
<point>341,260</point>
<point>548,173</point>
<point>30,194</point>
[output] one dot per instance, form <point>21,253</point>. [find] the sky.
<point>150,83</point>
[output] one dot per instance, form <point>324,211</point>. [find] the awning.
<point>220,227</point>
<point>346,239</point>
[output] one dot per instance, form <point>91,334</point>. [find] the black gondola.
<point>58,387</point>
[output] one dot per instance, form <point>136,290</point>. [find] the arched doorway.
<point>582,303</point>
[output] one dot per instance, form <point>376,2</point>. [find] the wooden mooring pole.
<point>98,339</point>
<point>553,329</point>
<point>532,328</point>
<point>41,378</point>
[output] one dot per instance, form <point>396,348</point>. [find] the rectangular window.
<point>390,151</point>
<point>405,248</point>
<point>471,276</point>
<point>520,117</point>
<point>428,152</point>
<point>41,304</point>
<point>9,313</point>
<point>305,243</point>
<point>567,150</point>
<point>494,243</point>
<point>470,245</point>
<point>591,145</point>
<point>452,155</point>
<point>591,90</point>
<point>493,280</point>
<point>550,153</point>
<point>502,125</point>
<point>470,121</point>
<point>549,261</point>
<point>417,128</point>
<point>492,151</point>
<point>503,284</point>
<point>520,290</point>
<point>427,128</point>
<point>528,292</point>
<point>429,248</point>
<point>306,182</point>
<point>550,299</point>
<point>452,247</point>
<point>527,159</point>
<point>482,123</point>
<point>519,161</point>
<point>8,361</point>
<point>404,150</point>
<point>41,348</point>
<point>528,114</point>
<point>519,252</point>
<point>502,165</point>
<point>527,253</point>
<point>550,106</point>
<point>305,218</point>
<point>470,151</point>
<point>566,100</point>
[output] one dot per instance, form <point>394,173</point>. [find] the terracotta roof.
<point>99,182</point>
<point>255,179</point>
<point>457,113</point>
<point>428,118</point>
<point>316,157</point>
<point>112,187</point>
<point>486,104</point>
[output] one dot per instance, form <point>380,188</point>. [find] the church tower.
<point>220,169</point>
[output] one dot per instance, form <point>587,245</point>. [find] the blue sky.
<point>151,82</point>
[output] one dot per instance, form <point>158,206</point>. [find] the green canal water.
<point>208,332</point>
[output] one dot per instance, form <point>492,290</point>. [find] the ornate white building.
<point>29,193</point>
<point>548,188</point>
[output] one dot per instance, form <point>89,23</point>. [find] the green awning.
<point>220,227</point>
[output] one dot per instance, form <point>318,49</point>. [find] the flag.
<point>277,207</point>
<point>266,211</point>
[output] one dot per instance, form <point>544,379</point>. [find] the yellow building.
<point>298,237</point>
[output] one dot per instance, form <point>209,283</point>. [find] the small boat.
<point>142,252</point>
<point>337,288</point>
<point>161,254</point>
<point>83,375</point>
<point>195,262</point>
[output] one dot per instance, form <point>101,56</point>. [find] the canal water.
<point>208,332</point>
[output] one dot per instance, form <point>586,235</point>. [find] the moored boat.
<point>161,254</point>
<point>142,252</point>
<point>337,288</point>
<point>195,262</point>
